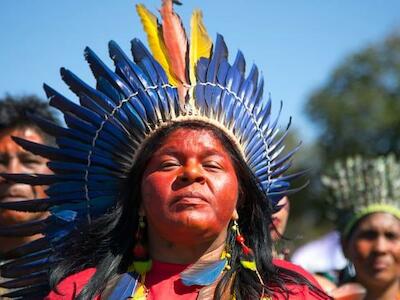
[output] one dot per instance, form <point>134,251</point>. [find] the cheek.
<point>396,252</point>
<point>155,190</point>
<point>42,168</point>
<point>361,249</point>
<point>226,194</point>
<point>40,191</point>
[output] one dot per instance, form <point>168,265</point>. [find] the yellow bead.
<point>228,255</point>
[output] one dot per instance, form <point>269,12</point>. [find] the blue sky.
<point>295,43</point>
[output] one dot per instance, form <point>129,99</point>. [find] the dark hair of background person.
<point>15,111</point>
<point>103,246</point>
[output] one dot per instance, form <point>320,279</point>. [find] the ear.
<point>235,215</point>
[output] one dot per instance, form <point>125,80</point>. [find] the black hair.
<point>104,247</point>
<point>15,111</point>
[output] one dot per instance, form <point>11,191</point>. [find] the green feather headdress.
<point>362,186</point>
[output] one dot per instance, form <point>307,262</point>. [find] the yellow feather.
<point>251,265</point>
<point>155,40</point>
<point>200,43</point>
<point>140,293</point>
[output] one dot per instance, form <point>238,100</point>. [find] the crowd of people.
<point>169,181</point>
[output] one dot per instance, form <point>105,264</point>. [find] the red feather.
<point>175,41</point>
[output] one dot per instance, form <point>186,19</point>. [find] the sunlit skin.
<point>374,249</point>
<point>280,219</point>
<point>14,159</point>
<point>189,194</point>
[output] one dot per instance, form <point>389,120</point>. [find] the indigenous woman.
<point>165,180</point>
<point>367,198</point>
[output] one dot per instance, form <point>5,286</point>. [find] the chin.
<point>12,217</point>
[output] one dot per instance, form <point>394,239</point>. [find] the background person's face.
<point>280,219</point>
<point>189,188</point>
<point>374,249</point>
<point>14,159</point>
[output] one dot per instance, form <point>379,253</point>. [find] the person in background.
<point>330,260</point>
<point>279,220</point>
<point>366,197</point>
<point>278,227</point>
<point>14,122</point>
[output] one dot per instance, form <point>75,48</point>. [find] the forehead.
<point>379,222</point>
<point>192,139</point>
<point>7,144</point>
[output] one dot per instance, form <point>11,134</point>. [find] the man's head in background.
<point>14,121</point>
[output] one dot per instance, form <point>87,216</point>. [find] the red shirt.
<point>163,283</point>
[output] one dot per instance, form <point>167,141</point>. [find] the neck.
<point>185,253</point>
<point>9,243</point>
<point>389,292</point>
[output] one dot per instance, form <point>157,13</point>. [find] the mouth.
<point>380,265</point>
<point>276,221</point>
<point>189,199</point>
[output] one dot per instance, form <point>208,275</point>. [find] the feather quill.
<point>200,43</point>
<point>155,40</point>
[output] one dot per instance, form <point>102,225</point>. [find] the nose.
<point>192,171</point>
<point>14,166</point>
<point>381,244</point>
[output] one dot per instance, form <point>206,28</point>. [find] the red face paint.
<point>374,249</point>
<point>189,188</point>
<point>14,159</point>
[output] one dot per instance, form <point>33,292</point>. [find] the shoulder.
<point>69,287</point>
<point>295,268</point>
<point>301,291</point>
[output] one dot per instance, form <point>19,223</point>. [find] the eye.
<point>169,165</point>
<point>212,165</point>
<point>3,161</point>
<point>368,235</point>
<point>31,162</point>
<point>392,236</point>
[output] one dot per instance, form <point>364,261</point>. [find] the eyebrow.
<point>177,151</point>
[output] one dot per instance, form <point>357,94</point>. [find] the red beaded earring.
<point>141,260</point>
<point>247,259</point>
<point>139,250</point>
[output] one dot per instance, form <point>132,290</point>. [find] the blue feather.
<point>205,275</point>
<point>99,69</point>
<point>125,287</point>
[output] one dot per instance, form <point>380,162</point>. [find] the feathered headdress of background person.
<point>362,186</point>
<point>180,79</point>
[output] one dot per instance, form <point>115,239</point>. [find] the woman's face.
<point>374,249</point>
<point>189,188</point>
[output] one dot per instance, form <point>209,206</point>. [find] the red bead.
<point>246,250</point>
<point>139,251</point>
<point>240,239</point>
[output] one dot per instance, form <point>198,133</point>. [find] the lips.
<point>189,199</point>
<point>276,221</point>
<point>380,264</point>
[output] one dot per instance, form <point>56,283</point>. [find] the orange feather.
<point>175,41</point>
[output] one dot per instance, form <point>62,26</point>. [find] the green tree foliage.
<point>358,109</point>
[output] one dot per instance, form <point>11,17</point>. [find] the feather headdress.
<point>362,186</point>
<point>104,133</point>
